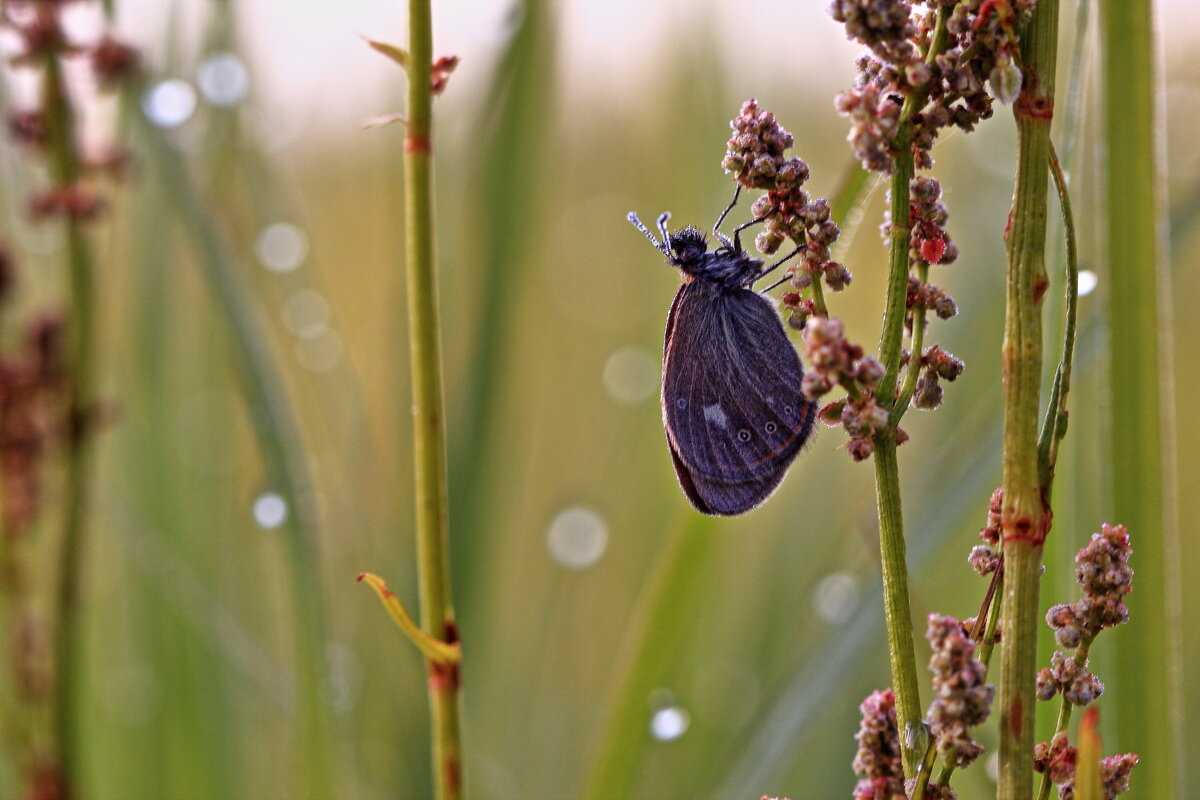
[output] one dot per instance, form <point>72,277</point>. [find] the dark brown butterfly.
<point>732,408</point>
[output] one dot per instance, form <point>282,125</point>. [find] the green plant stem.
<point>64,167</point>
<point>1141,426</point>
<point>278,437</point>
<point>654,640</point>
<point>897,610</point>
<point>1025,516</point>
<point>891,337</point>
<point>988,642</point>
<point>896,606</point>
<point>1064,711</point>
<point>917,344</point>
<point>1054,424</point>
<point>429,438</point>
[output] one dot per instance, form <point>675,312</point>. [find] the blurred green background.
<point>564,506</point>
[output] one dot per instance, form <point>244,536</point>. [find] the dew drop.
<point>306,314</point>
<point>270,510</point>
<point>281,247</point>
<point>344,677</point>
<point>630,375</point>
<point>835,597</point>
<point>1087,282</point>
<point>320,354</point>
<point>668,724</point>
<point>169,103</point>
<point>577,537</point>
<point>223,79</point>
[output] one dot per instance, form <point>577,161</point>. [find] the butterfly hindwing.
<point>732,407</point>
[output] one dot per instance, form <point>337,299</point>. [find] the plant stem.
<point>429,439</point>
<point>653,643</point>
<point>64,167</point>
<point>1141,417</point>
<point>896,608</point>
<point>917,344</point>
<point>1054,425</point>
<point>278,437</point>
<point>1025,516</point>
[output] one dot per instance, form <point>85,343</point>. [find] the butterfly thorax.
<point>726,266</point>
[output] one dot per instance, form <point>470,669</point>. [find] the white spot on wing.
<point>715,414</point>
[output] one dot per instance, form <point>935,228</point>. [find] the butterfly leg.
<point>737,232</point>
<point>775,266</point>
<point>717,227</point>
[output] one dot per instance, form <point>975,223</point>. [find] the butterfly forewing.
<point>732,407</point>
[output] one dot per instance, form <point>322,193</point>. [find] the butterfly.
<point>734,415</point>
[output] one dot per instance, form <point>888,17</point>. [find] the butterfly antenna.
<point>662,248</point>
<point>716,228</point>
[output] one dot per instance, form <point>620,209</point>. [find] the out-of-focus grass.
<point>190,661</point>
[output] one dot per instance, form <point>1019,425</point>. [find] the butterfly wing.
<point>732,408</point>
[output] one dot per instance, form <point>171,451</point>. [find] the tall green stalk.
<point>1025,515</point>
<point>65,169</point>
<point>278,437</point>
<point>1140,421</point>
<point>429,433</point>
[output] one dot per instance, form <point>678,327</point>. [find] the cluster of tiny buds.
<point>985,558</point>
<point>926,295</point>
<point>962,697</point>
<point>929,241</point>
<point>1070,677</point>
<point>755,151</point>
<point>755,156</point>
<point>933,791</point>
<point>1105,576</point>
<point>1057,758</point>
<point>38,30</point>
<point>947,88</point>
<point>936,365</point>
<point>835,361</point>
<point>877,762</point>
<point>30,379</point>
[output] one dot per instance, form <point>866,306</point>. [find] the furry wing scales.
<point>732,407</point>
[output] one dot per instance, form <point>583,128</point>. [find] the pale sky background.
<point>309,62</point>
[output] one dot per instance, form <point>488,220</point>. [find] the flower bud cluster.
<point>947,88</point>
<point>1067,675</point>
<point>933,791</point>
<point>985,558</point>
<point>877,762</point>
<point>936,365</point>
<point>929,242</point>
<point>31,382</point>
<point>962,697</point>
<point>1058,758</point>
<point>1104,573</point>
<point>834,361</point>
<point>755,157</point>
<point>927,296</point>
<point>40,37</point>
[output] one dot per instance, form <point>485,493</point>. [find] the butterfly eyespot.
<point>744,435</point>
<point>681,403</point>
<point>770,427</point>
